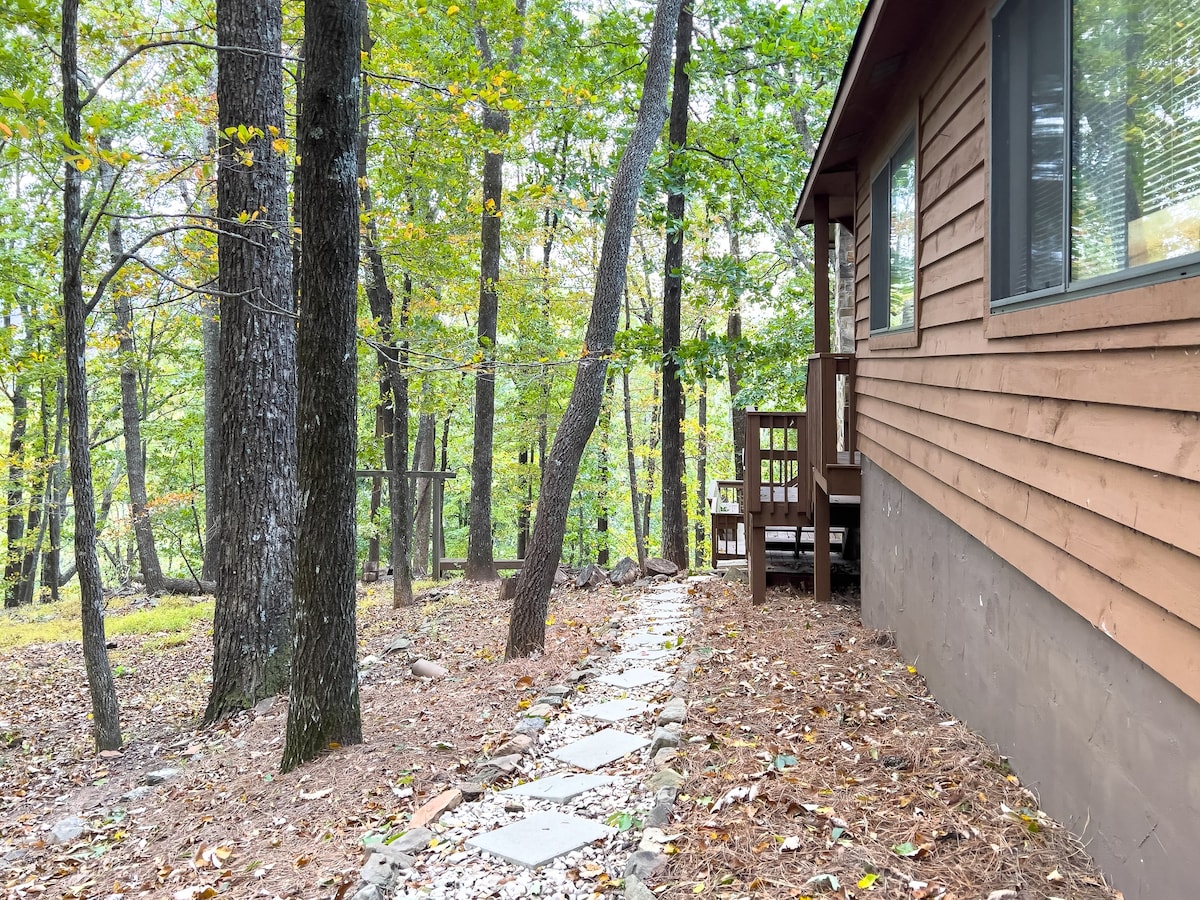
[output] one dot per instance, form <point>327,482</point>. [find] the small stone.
<point>379,870</point>
<point>137,793</point>
<point>423,668</point>
<point>624,572</point>
<point>433,809</point>
<point>471,790</point>
<point>505,763</point>
<point>368,892</point>
<point>549,700</point>
<point>659,815</point>
<point>590,576</point>
<point>655,566</point>
<point>540,710</point>
<point>67,830</point>
<point>398,643</point>
<point>412,841</point>
<point>644,864</point>
<point>575,676</point>
<point>518,744</point>
<point>664,757</point>
<point>530,725</point>
<point>663,737</point>
<point>664,778</point>
<point>369,662</point>
<point>737,574</point>
<point>158,776</point>
<point>557,690</point>
<point>1002,895</point>
<point>674,713</point>
<point>635,890</point>
<point>823,883</point>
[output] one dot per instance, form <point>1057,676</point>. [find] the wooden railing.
<point>832,433</point>
<point>728,527</point>
<point>778,486</point>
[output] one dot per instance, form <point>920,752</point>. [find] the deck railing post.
<point>821,273</point>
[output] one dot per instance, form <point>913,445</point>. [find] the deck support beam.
<point>822,574</point>
<point>821,273</point>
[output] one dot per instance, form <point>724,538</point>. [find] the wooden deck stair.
<point>803,472</point>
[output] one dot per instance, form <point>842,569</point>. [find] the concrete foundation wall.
<point>1111,748</point>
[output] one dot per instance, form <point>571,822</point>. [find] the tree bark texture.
<point>252,623</point>
<point>527,627</point>
<point>106,716</point>
<point>674,511</point>
<point>604,471</point>
<point>210,336</point>
<point>15,530</point>
<point>423,453</point>
<point>323,707</point>
<point>700,550</point>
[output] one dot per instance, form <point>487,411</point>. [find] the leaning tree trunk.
<point>527,628</point>
<point>674,509</point>
<point>252,623</point>
<point>323,705</point>
<point>106,715</point>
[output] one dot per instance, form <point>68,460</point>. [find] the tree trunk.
<point>733,334</point>
<point>252,623</point>
<point>423,461</point>
<point>323,706</point>
<point>639,536</point>
<point>106,715</point>
<point>527,628</point>
<point>674,510</point>
<point>210,335</point>
<point>131,418</point>
<point>15,530</point>
<point>700,551</point>
<point>603,499</point>
<point>481,565</point>
<point>57,486</point>
<point>401,508</point>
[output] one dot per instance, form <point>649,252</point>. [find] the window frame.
<point>879,288</point>
<point>1145,275</point>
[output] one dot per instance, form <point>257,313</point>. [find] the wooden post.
<point>821,273</point>
<point>822,574</point>
<point>756,560</point>
<point>439,487</point>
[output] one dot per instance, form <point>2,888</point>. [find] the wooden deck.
<point>803,483</point>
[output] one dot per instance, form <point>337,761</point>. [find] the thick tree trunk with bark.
<point>106,716</point>
<point>252,624</point>
<point>674,510</point>
<point>527,628</point>
<point>210,336</point>
<point>323,705</point>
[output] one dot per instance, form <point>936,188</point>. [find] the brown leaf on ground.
<point>816,757</point>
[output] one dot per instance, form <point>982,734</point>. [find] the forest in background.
<point>564,78</point>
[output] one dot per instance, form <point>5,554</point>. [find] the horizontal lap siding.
<point>1066,441</point>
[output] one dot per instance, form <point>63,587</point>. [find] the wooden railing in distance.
<point>778,490</point>
<point>832,450</point>
<point>728,524</point>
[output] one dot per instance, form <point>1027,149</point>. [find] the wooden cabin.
<point>1022,183</point>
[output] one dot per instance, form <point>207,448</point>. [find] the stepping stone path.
<point>573,823</point>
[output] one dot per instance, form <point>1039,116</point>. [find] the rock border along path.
<point>563,832</point>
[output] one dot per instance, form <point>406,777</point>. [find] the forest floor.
<point>814,751</point>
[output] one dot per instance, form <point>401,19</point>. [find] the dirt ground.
<point>811,749</point>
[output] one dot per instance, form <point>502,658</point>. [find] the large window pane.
<point>1135,134</point>
<point>902,238</point>
<point>1029,149</point>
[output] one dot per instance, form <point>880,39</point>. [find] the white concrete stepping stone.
<point>614,710</point>
<point>537,840</point>
<point>643,655</point>
<point>635,677</point>
<point>602,747</point>
<point>560,788</point>
<point>644,639</point>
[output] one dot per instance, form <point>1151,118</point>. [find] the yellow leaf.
<point>82,163</point>
<point>867,882</point>
<point>525,681</point>
<point>912,670</point>
<point>550,619</point>
<point>524,704</point>
<point>279,145</point>
<point>5,130</point>
<point>452,9</point>
<point>699,888</point>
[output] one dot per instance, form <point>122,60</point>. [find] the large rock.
<point>663,737</point>
<point>656,566</point>
<point>590,576</point>
<point>674,712</point>
<point>412,841</point>
<point>67,830</point>
<point>624,572</point>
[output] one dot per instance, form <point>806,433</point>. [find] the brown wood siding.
<point>1066,438</point>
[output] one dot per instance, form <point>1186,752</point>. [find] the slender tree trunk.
<point>423,461</point>
<point>131,418</point>
<point>57,486</point>
<point>527,625</point>
<point>603,499</point>
<point>210,336</point>
<point>481,565</point>
<point>699,552</point>
<point>733,334</point>
<point>639,536</point>
<point>674,500</point>
<point>15,531</point>
<point>525,504</point>
<point>323,705</point>
<point>252,624</point>
<point>402,511</point>
<point>106,716</point>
